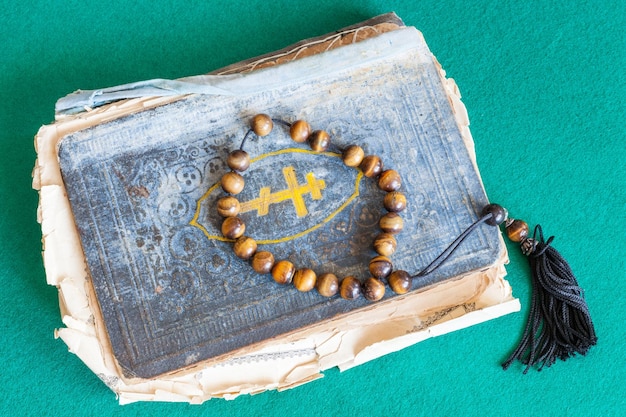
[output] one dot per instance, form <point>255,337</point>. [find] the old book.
<point>154,300</point>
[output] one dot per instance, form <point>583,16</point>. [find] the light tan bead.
<point>371,166</point>
<point>300,131</point>
<point>232,183</point>
<point>262,124</point>
<point>395,201</point>
<point>380,266</point>
<point>373,289</point>
<point>391,223</point>
<point>233,227</point>
<point>239,160</point>
<point>327,284</point>
<point>319,140</point>
<point>228,206</point>
<point>350,288</point>
<point>389,180</point>
<point>283,271</point>
<point>262,262</point>
<point>399,281</point>
<point>304,279</point>
<point>244,247</point>
<point>353,155</point>
<point>385,244</point>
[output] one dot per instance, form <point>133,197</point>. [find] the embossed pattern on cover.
<point>143,192</point>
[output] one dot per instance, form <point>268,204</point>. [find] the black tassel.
<point>559,325</point>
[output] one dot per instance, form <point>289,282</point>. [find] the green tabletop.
<point>544,87</point>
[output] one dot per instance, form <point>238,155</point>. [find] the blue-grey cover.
<point>143,191</point>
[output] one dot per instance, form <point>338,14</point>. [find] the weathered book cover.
<point>143,188</point>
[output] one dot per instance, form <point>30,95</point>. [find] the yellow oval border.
<point>355,194</point>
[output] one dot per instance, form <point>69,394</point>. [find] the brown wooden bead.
<point>353,155</point>
<point>304,279</point>
<point>283,271</point>
<point>327,284</point>
<point>232,183</point>
<point>394,201</point>
<point>399,281</point>
<point>262,262</point>
<point>391,223</point>
<point>319,140</point>
<point>373,289</point>
<point>517,230</point>
<point>244,247</point>
<point>371,166</point>
<point>300,131</point>
<point>350,288</point>
<point>228,206</point>
<point>262,124</point>
<point>380,266</point>
<point>385,244</point>
<point>389,180</point>
<point>233,227</point>
<point>239,160</point>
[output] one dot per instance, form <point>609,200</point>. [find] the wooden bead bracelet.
<point>305,279</point>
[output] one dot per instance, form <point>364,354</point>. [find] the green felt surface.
<point>544,86</point>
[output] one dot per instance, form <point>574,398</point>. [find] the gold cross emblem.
<point>294,192</point>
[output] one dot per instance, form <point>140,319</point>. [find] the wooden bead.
<point>233,227</point>
<point>371,166</point>
<point>304,279</point>
<point>262,124</point>
<point>498,214</point>
<point>373,289</point>
<point>319,140</point>
<point>353,155</point>
<point>385,244</point>
<point>327,284</point>
<point>300,131</point>
<point>232,183</point>
<point>391,223</point>
<point>228,206</point>
<point>399,281</point>
<point>244,247</point>
<point>350,288</point>
<point>239,160</point>
<point>395,201</point>
<point>380,266</point>
<point>283,271</point>
<point>262,262</point>
<point>517,230</point>
<point>389,180</point>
